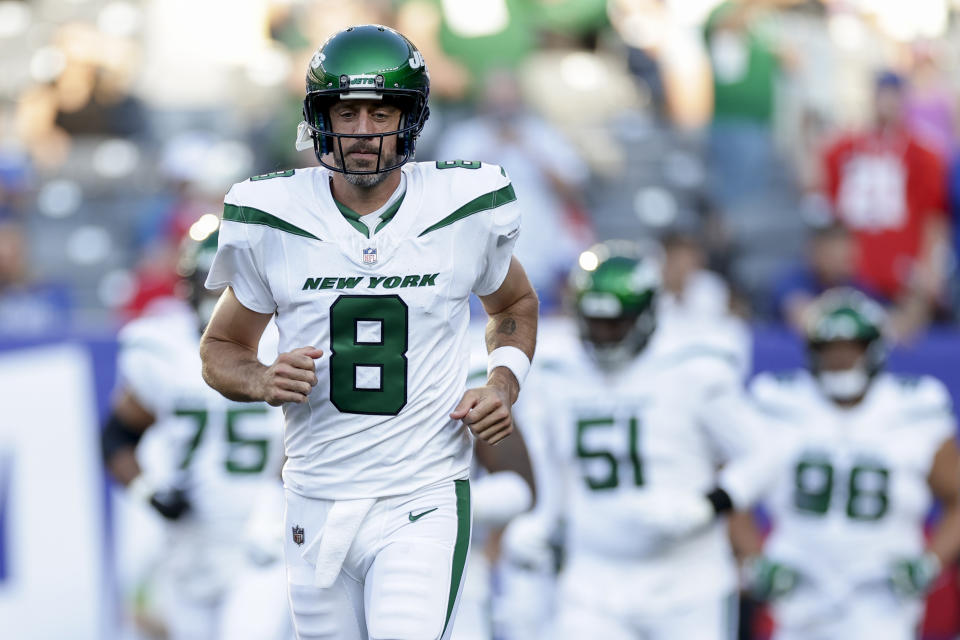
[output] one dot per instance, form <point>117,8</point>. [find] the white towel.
<point>327,551</point>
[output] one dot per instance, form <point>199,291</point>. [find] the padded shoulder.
<point>463,189</point>
<point>274,200</point>
<point>149,352</point>
<point>772,389</point>
<point>922,395</point>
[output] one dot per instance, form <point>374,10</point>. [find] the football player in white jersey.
<point>367,263</point>
<point>214,455</point>
<point>637,422</point>
<point>847,558</point>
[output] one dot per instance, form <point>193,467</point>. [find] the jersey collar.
<point>385,214</point>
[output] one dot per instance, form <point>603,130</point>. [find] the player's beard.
<point>366,180</point>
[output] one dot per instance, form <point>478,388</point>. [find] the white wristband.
<point>141,489</point>
<point>512,358</point>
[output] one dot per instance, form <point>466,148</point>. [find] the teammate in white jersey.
<point>638,421</point>
<point>367,263</point>
<point>214,455</point>
<point>847,557</point>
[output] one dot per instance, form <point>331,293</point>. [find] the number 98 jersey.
<point>388,305</point>
<point>853,494</point>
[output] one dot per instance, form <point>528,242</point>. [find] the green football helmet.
<point>193,265</point>
<point>614,290</point>
<point>846,315</point>
<point>369,62</point>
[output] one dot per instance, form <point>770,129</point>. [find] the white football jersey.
<point>219,450</point>
<point>388,306</point>
<point>853,494</point>
<point>667,420</point>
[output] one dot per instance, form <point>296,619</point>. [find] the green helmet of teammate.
<point>370,62</point>
<point>193,265</point>
<point>846,315</point>
<point>614,289</point>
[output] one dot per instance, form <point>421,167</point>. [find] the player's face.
<point>888,103</point>
<point>358,117</point>
<point>841,355</point>
<point>609,331</point>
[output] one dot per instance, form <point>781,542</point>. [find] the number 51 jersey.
<point>388,305</point>
<point>665,422</point>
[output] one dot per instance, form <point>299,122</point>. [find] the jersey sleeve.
<point>730,420</point>
<point>738,433</point>
<point>930,410</point>
<point>237,265</point>
<point>503,231</point>
<point>141,367</point>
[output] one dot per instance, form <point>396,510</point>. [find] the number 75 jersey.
<point>388,305</point>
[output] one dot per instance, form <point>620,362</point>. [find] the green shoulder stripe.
<point>250,215</point>
<point>485,202</point>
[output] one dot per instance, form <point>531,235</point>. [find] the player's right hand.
<point>291,377</point>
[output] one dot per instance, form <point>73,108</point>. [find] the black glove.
<point>170,503</point>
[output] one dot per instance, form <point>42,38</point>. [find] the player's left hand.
<point>486,411</point>
<point>913,577</point>
<point>671,514</point>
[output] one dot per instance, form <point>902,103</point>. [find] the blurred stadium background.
<point>698,123</point>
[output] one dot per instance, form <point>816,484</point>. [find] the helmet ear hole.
<point>321,124</point>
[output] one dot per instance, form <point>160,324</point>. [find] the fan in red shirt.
<point>890,191</point>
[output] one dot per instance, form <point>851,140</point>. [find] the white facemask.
<point>844,385</point>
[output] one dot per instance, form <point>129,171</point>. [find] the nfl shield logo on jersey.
<point>298,535</point>
<point>370,255</point>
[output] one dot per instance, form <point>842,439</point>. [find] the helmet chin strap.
<point>845,385</point>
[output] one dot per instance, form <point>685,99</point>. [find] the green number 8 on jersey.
<point>368,359</point>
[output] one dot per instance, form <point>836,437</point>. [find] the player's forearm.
<point>232,369</point>
<point>511,455</point>
<point>515,326</point>
<point>945,541</point>
<point>123,466</point>
<point>745,537</point>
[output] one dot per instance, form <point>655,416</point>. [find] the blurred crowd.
<point>776,147</point>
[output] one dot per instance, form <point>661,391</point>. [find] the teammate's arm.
<point>228,349</point>
<point>944,481</point>
<point>128,420</point>
<point>745,536</point>
<point>512,458</point>
<point>513,323</point>
<point>913,576</point>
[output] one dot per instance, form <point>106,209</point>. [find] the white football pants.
<point>402,574</point>
<point>715,619</point>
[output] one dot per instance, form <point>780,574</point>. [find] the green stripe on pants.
<point>462,488</point>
